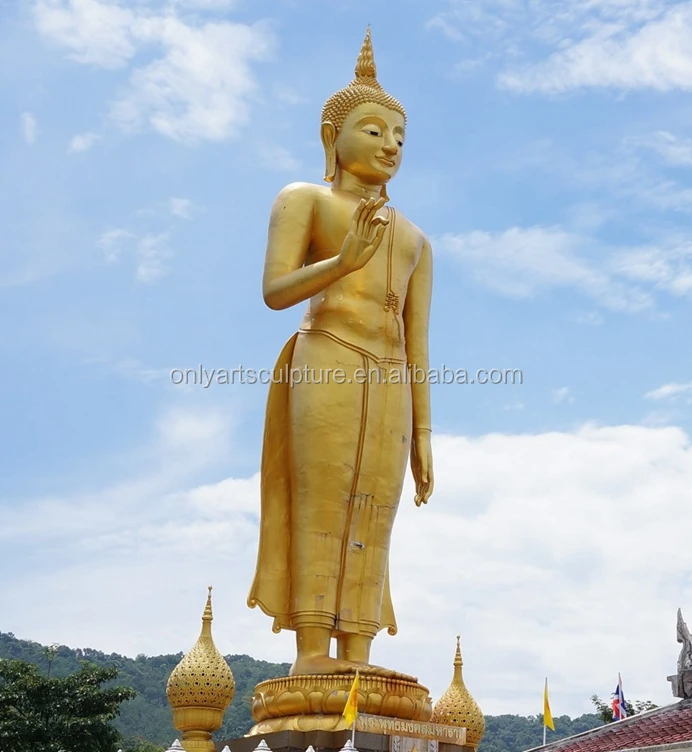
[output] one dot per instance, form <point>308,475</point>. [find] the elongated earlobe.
<point>330,165</point>
<point>328,134</point>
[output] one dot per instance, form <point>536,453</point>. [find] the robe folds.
<point>333,463</point>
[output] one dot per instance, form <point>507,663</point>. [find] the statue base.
<point>365,724</point>
<point>293,713</point>
<point>315,702</point>
<point>334,741</point>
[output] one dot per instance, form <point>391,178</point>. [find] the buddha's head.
<point>363,127</point>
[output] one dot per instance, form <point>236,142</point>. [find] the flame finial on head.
<point>365,65</point>
<point>364,88</point>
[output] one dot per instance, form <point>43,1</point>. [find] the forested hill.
<point>149,716</point>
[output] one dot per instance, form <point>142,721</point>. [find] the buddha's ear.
<point>328,135</point>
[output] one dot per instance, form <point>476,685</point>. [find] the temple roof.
<point>671,724</point>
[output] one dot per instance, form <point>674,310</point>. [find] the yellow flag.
<point>351,708</point>
<point>547,715</point>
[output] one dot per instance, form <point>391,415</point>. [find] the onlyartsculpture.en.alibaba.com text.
<point>386,374</point>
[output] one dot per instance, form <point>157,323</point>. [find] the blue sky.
<point>548,158</point>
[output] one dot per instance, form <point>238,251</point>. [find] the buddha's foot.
<point>388,673</point>
<point>323,664</point>
<point>320,664</point>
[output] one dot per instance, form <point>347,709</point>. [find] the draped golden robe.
<point>333,465</point>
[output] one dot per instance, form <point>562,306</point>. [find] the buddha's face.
<point>370,142</point>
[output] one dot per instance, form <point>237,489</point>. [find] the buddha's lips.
<point>386,161</point>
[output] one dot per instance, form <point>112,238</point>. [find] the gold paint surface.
<point>335,452</point>
<point>199,689</point>
<point>365,723</point>
<point>313,694</point>
<point>456,707</point>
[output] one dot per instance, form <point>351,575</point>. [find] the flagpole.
<point>355,717</point>
<point>545,728</point>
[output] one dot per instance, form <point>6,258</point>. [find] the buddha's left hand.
<point>421,465</point>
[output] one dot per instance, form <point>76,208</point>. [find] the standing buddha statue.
<point>336,445</point>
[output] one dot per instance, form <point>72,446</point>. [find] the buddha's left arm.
<point>416,320</point>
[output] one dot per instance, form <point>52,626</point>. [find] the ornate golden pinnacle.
<point>456,707</point>
<point>200,688</point>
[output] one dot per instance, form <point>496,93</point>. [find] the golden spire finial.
<point>365,65</point>
<point>456,707</point>
<point>458,663</point>
<point>207,615</point>
<point>200,688</point>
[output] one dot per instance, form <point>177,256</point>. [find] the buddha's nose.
<point>390,149</point>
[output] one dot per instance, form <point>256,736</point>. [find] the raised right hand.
<point>364,235</point>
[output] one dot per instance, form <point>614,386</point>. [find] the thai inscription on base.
<point>410,744</point>
<point>376,724</point>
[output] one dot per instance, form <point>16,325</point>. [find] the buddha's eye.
<point>401,143</point>
<point>374,133</point>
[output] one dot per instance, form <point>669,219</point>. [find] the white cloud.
<point>673,150</point>
<point>199,87</point>
<point>96,33</point>
<point>83,142</point>
<point>467,67</point>
<point>275,157</point>
<point>537,546</point>
<point>288,95</point>
<point>181,207</point>
<point>521,262</point>
<point>29,127</point>
<point>150,250</point>
<point>563,396</point>
<point>666,268</point>
<point>622,44</point>
<point>621,173</point>
<point>669,392</point>
<point>510,407</point>
<point>132,368</point>
<point>591,318</point>
<point>653,55</point>
<point>113,241</point>
<point>208,5</point>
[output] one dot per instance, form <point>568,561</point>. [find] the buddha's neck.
<point>344,181</point>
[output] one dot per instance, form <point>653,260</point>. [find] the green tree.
<point>67,714</point>
<point>605,711</point>
<point>139,744</point>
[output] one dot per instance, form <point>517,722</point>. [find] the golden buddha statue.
<point>336,444</point>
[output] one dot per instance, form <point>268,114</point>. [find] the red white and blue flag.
<point>619,707</point>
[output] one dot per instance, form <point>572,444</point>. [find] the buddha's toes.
<point>367,668</point>
<point>322,664</point>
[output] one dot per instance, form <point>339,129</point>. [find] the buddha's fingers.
<point>357,218</point>
<point>365,216</point>
<point>372,207</point>
<point>379,234</point>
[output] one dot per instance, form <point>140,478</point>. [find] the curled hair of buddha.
<point>364,88</point>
